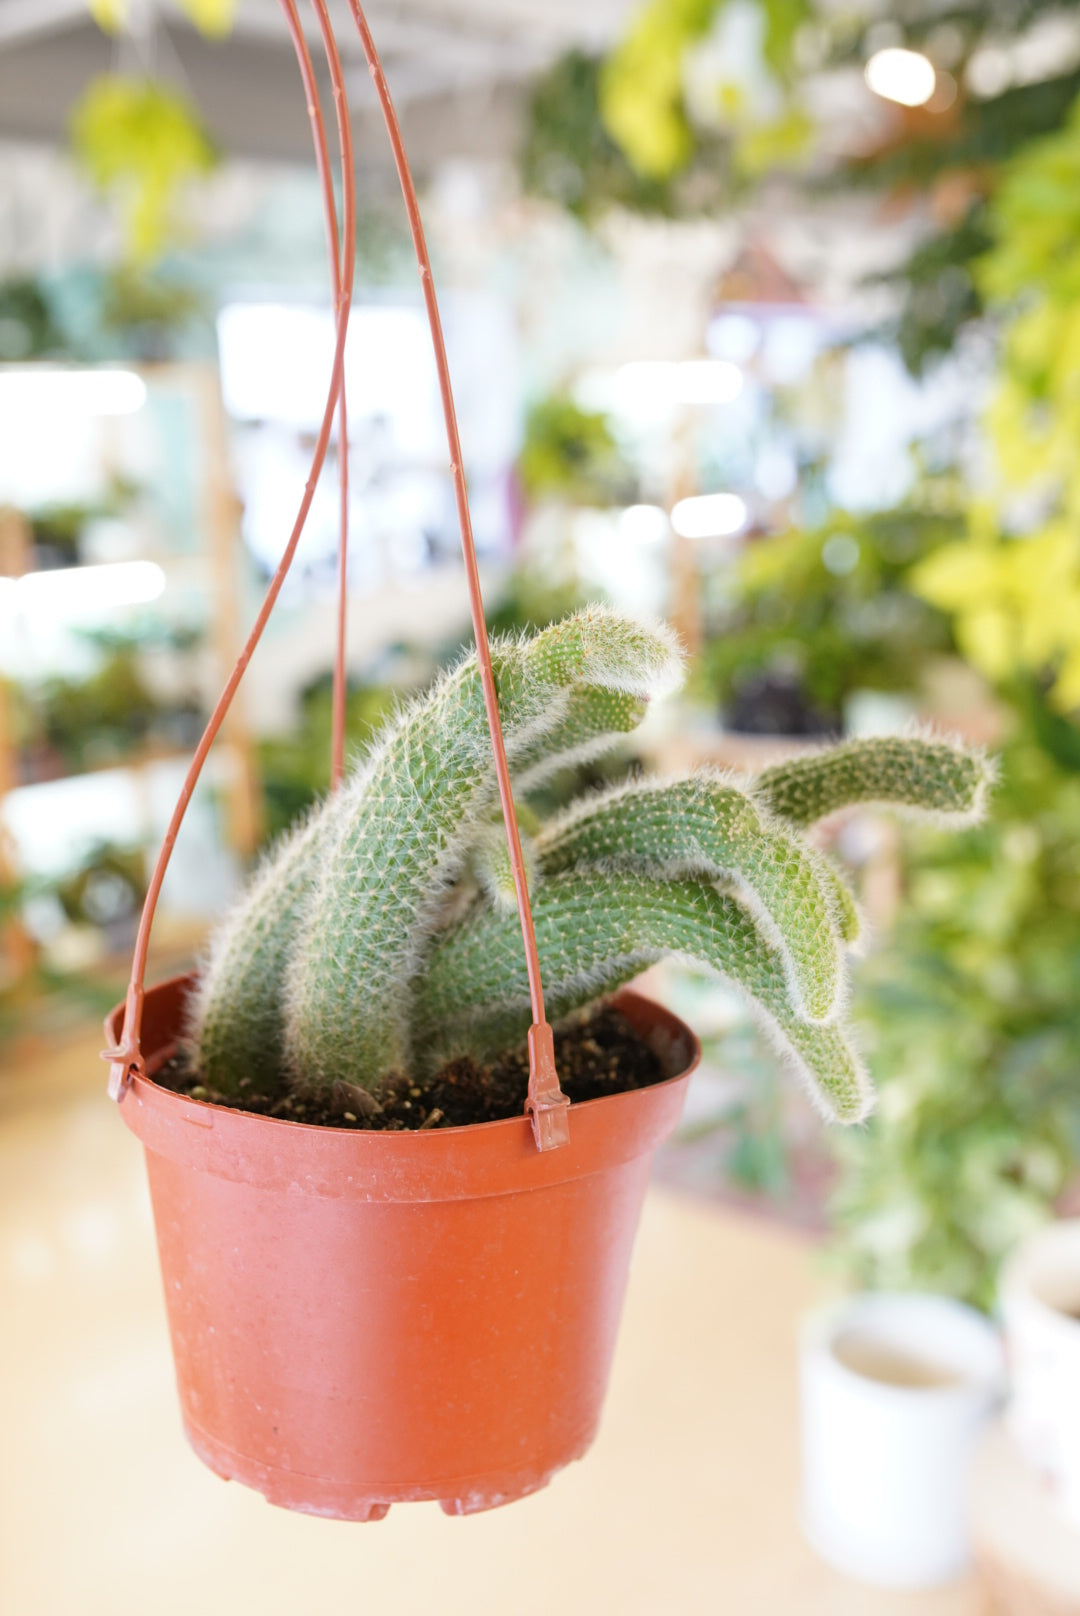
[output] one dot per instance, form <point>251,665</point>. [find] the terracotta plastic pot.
<point>360,1319</point>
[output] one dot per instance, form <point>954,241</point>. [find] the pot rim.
<point>824,1325</point>
<point>477,1159</point>
<point>622,997</point>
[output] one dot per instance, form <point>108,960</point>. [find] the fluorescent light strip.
<point>689,381</point>
<point>84,392</point>
<point>81,591</point>
<point>709,516</point>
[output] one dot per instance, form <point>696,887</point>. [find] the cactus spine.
<point>381,937</point>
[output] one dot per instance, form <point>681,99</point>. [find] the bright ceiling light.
<point>709,516</point>
<point>83,392</point>
<point>735,337</point>
<point>707,381</point>
<point>901,75</point>
<point>642,525</point>
<point>80,592</point>
<point>661,383</point>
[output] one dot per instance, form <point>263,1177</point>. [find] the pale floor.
<point>686,1505</point>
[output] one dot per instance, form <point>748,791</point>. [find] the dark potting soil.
<point>595,1054</point>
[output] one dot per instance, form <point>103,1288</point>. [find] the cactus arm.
<point>489,862</point>
<point>235,1022</point>
<point>405,829</point>
<point>595,720</point>
<point>597,930</point>
<point>923,774</point>
<point>845,909</point>
<point>708,828</point>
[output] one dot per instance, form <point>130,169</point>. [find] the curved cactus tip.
<point>849,1096</point>
<point>634,655</point>
<point>985,766</point>
<point>920,771</point>
<point>976,774</point>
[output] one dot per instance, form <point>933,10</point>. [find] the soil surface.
<point>595,1054</point>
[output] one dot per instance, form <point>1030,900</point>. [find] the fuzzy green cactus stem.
<point>338,915</point>
<point>237,1015</point>
<point>595,931</point>
<point>405,828</point>
<point>924,774</point>
<point>593,721</point>
<point>708,827</point>
<point>382,938</point>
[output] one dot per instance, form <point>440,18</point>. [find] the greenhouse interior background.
<point>763,320</point>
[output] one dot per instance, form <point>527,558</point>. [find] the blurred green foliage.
<point>621,130</point>
<point>643,102</point>
<point>141,142</point>
<point>148,309</point>
<point>108,888</point>
<point>294,769</point>
<point>104,717</point>
<point>568,156</point>
<point>28,328</point>
<point>641,86</point>
<point>829,612</point>
<point>938,290</point>
<point>100,719</point>
<point>571,453</point>
<point>1013,582</point>
<point>973,1018</point>
<point>211,17</point>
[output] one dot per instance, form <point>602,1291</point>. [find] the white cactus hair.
<point>383,936</point>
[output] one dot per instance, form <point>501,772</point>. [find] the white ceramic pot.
<point>894,1391</point>
<point>1040,1309</point>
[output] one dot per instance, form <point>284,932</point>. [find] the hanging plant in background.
<point>1014,581</point>
<point>571,453</point>
<point>641,86</point>
<point>621,130</point>
<point>569,158</point>
<point>213,17</point>
<point>817,616</point>
<point>141,142</point>
<point>688,69</point>
<point>702,98</point>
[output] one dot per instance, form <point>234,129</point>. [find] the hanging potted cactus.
<point>375,1293</point>
<point>362,1313</point>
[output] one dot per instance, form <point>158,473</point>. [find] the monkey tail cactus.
<point>382,939</point>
